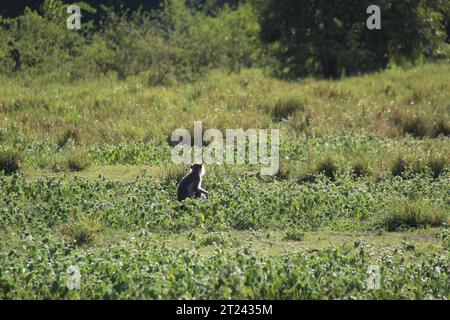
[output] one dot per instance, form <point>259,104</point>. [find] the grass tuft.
<point>294,235</point>
<point>360,169</point>
<point>170,174</point>
<point>441,127</point>
<point>399,166</point>
<point>10,161</point>
<point>81,229</point>
<point>437,165</point>
<point>327,167</point>
<point>69,136</point>
<point>415,126</point>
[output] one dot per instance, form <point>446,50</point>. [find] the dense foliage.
<point>143,270</point>
<point>331,38</point>
<point>170,43</point>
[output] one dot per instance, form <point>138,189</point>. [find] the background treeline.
<point>175,40</point>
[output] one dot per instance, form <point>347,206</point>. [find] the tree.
<point>330,38</point>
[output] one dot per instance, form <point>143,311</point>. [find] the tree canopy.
<point>330,38</point>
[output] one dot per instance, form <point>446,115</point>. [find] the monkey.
<point>190,185</point>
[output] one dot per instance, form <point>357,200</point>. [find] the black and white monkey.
<point>191,185</point>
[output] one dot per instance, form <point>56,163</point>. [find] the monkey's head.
<point>198,168</point>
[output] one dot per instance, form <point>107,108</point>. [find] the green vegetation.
<point>331,39</point>
<point>414,215</point>
<point>171,44</point>
<point>333,125</point>
<point>86,178</point>
<point>80,229</point>
<point>95,189</point>
<point>9,160</point>
<point>294,234</point>
<point>140,268</point>
<point>174,41</point>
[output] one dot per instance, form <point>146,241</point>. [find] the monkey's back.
<point>186,186</point>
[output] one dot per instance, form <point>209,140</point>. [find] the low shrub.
<point>81,229</point>
<point>70,136</point>
<point>284,108</point>
<point>418,214</point>
<point>294,235</point>
<point>328,167</point>
<point>399,166</point>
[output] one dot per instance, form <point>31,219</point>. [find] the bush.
<point>136,43</point>
<point>360,169</point>
<point>328,39</point>
<point>284,108</point>
<point>9,161</point>
<point>441,127</point>
<point>217,238</point>
<point>284,171</point>
<point>170,45</point>
<point>6,57</point>
<point>327,167</point>
<point>80,229</point>
<point>415,126</point>
<point>294,235</point>
<point>78,161</point>
<point>170,174</point>
<point>437,165</point>
<point>399,166</point>
<point>125,37</point>
<point>70,136</point>
<point>229,40</point>
<point>41,45</point>
<point>307,178</point>
<point>240,31</point>
<point>433,164</point>
<point>94,60</point>
<point>413,215</point>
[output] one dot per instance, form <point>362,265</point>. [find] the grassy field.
<point>364,180</point>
